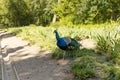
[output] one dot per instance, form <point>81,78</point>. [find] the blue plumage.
<point>66,43</point>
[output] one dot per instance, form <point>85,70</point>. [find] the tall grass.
<point>106,41</point>
<point>44,37</point>
<point>109,42</point>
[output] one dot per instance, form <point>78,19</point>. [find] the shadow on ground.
<point>4,34</point>
<point>39,65</point>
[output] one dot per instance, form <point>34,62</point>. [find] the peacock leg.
<point>64,54</point>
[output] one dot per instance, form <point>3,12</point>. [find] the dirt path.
<point>32,63</point>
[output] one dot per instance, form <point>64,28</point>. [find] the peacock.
<point>66,43</point>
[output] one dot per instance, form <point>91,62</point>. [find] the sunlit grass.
<point>44,37</point>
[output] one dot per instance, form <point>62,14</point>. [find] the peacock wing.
<point>67,40</point>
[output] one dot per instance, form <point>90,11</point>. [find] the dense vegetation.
<point>43,12</point>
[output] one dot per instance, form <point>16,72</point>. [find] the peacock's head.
<point>55,31</point>
<point>56,34</point>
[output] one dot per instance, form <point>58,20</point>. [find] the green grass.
<point>86,63</point>
<point>84,67</point>
<point>114,73</point>
<point>44,37</point>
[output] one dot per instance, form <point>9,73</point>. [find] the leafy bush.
<point>102,70</point>
<point>114,74</point>
<point>16,31</point>
<point>84,67</point>
<point>106,42</point>
<point>107,39</point>
<point>114,56</point>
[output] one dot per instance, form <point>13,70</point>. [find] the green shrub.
<point>84,67</point>
<point>105,43</point>
<point>114,74</point>
<point>101,71</point>
<point>114,55</point>
<point>107,39</point>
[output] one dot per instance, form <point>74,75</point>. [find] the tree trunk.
<point>55,15</point>
<point>54,18</point>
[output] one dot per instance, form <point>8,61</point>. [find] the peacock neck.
<point>57,36</point>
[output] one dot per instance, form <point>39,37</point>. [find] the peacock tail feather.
<point>74,44</point>
<point>71,43</point>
